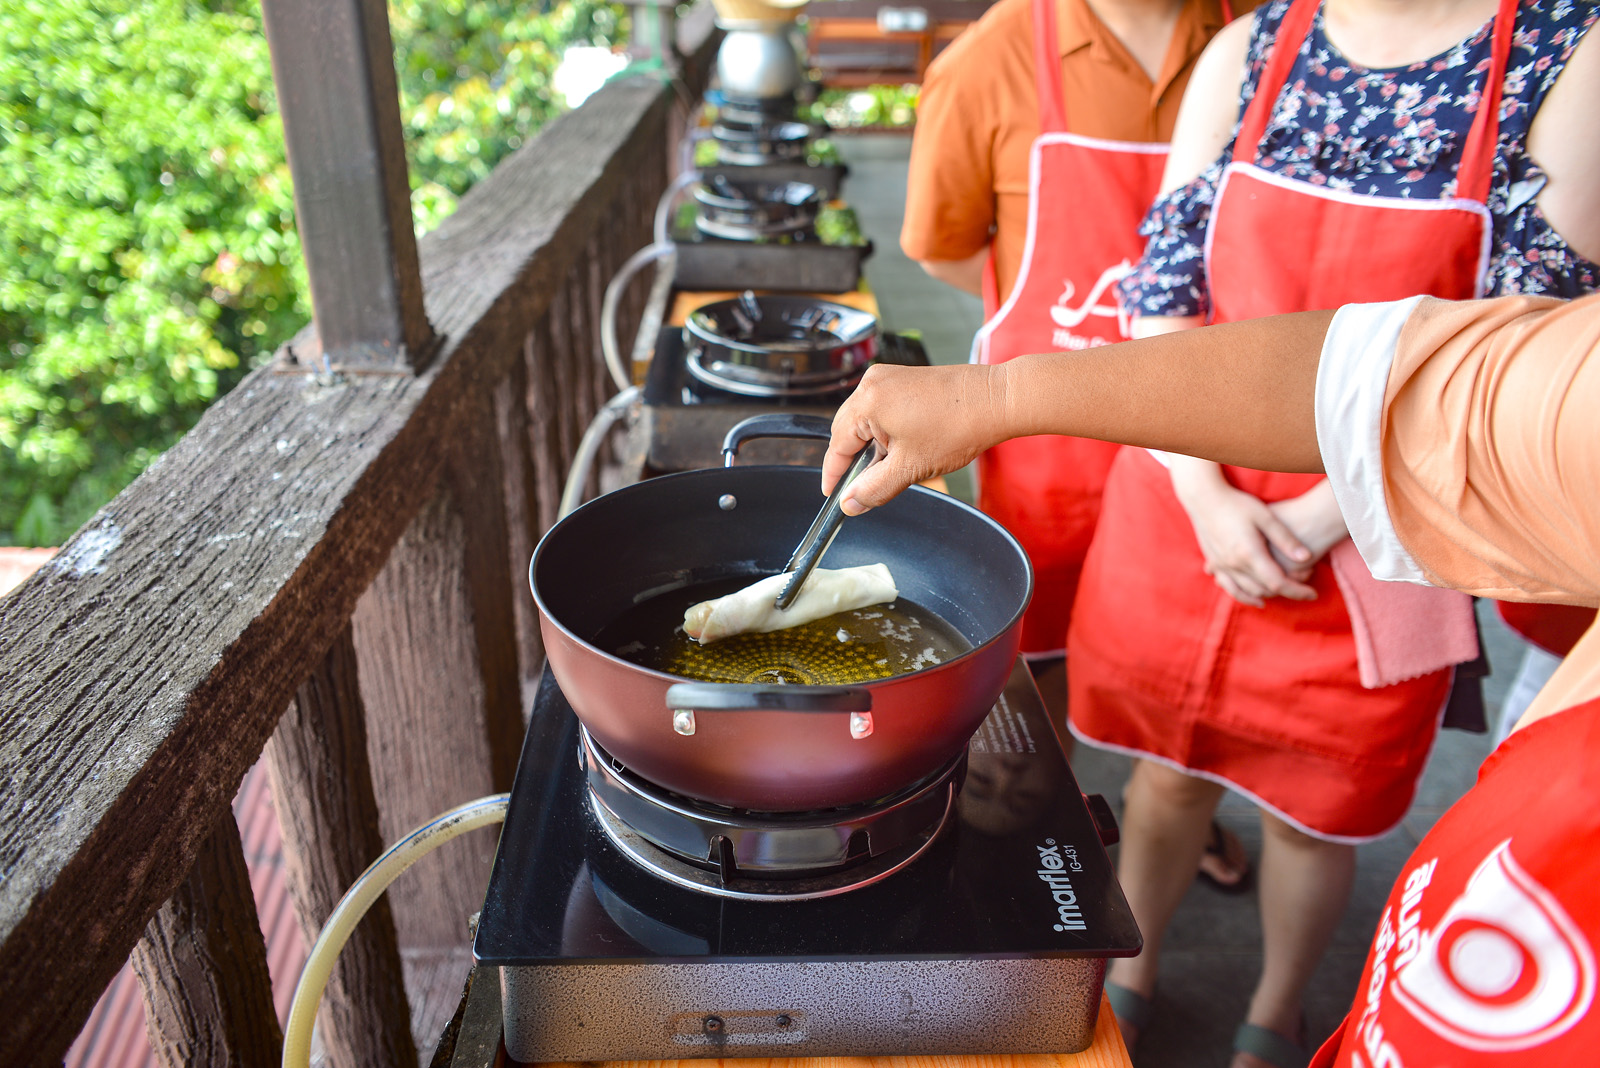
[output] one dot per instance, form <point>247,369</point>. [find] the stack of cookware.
<point>759,76</point>
<point>898,865</point>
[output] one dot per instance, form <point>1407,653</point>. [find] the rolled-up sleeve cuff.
<point>1352,382</point>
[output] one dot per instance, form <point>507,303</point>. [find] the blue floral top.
<point>1397,132</point>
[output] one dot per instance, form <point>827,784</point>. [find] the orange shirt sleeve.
<point>950,182</point>
<point>1491,455</point>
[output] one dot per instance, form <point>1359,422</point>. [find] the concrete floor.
<point>1213,950</point>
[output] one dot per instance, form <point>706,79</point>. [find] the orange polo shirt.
<point>978,116</point>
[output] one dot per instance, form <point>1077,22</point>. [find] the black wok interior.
<point>668,532</point>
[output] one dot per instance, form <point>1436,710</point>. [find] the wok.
<point>784,747</point>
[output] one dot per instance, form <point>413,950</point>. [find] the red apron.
<point>1485,952</point>
<point>1085,199</point>
<point>1173,668</point>
<point>1555,628</point>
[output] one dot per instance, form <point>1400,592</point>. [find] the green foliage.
<point>876,105</point>
<point>475,84</point>
<point>147,248</point>
<point>148,255</point>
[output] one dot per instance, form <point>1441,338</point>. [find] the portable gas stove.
<point>750,227</point>
<point>972,912</point>
<point>685,417</point>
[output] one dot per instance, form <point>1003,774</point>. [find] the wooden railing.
<point>330,570</point>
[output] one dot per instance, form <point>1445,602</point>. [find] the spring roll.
<point>752,610</point>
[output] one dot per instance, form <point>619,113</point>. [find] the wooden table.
<point>473,1040</point>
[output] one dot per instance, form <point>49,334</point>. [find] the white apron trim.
<point>980,341</point>
<point>1341,196</point>
<point>1224,781</point>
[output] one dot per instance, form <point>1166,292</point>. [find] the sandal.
<point>1272,1047</point>
<point>1132,1010</point>
<point>1219,845</point>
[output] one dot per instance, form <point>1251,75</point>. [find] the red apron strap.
<point>1483,140</point>
<point>1047,68</point>
<point>1477,156</point>
<point>1227,12</point>
<point>1291,35</point>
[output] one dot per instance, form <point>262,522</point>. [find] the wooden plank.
<point>148,663</point>
<point>522,514</point>
<point>322,790</point>
<point>203,967</point>
<point>477,481</point>
<point>333,67</point>
<point>544,426</point>
<point>426,736</point>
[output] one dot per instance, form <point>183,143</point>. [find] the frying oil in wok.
<point>842,649</point>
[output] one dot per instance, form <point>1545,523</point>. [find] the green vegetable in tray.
<point>838,225</point>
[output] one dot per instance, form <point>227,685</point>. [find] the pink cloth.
<point>1402,630</point>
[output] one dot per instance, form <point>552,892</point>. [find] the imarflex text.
<point>1053,871</point>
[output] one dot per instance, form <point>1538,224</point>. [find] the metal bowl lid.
<point>758,325</point>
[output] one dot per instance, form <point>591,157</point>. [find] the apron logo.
<point>1064,315</point>
<point>1504,969</point>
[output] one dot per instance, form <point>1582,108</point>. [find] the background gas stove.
<point>684,420</point>
<point>993,940</point>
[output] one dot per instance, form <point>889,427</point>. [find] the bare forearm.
<point>1240,393</point>
<point>965,275</point>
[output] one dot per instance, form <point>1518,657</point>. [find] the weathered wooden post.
<point>433,641</point>
<point>333,65</point>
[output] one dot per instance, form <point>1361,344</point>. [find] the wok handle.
<point>723,697</point>
<point>685,698</point>
<point>774,425</point>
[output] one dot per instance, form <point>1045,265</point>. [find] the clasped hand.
<point>1254,550</point>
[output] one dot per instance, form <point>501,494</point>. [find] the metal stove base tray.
<point>635,1011</point>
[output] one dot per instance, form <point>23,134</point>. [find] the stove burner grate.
<point>740,210</point>
<point>749,110</point>
<point>774,385</point>
<point>752,856</point>
<point>755,143</point>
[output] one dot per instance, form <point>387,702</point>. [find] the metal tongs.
<point>823,530</point>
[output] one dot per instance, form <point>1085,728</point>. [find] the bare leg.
<point>1305,886</point>
<point>1166,817</point>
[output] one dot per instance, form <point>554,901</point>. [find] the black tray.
<point>710,264</point>
<point>828,177</point>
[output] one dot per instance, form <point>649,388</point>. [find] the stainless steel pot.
<point>759,61</point>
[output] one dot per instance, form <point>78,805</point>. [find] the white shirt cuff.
<point>1352,381</point>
